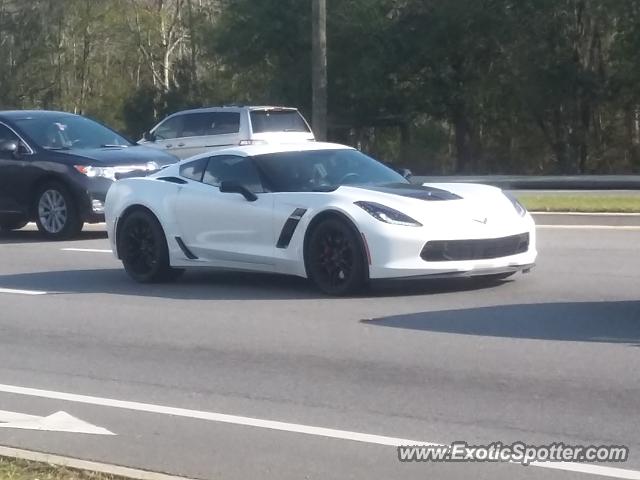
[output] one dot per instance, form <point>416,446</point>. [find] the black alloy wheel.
<point>334,258</point>
<point>143,249</point>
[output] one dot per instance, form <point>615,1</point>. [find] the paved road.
<point>552,356</point>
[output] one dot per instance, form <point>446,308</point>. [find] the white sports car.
<point>317,210</point>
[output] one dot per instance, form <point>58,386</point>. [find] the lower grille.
<point>459,250</point>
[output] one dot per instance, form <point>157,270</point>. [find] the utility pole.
<point>319,68</point>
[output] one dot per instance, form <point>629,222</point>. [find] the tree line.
<point>443,86</point>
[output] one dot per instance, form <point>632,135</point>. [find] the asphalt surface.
<point>551,356</point>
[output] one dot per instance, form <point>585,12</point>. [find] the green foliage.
<point>503,86</point>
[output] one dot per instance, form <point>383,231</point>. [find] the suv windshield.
<point>277,121</point>
<point>66,132</point>
<point>322,170</point>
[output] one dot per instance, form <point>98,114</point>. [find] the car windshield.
<point>68,132</point>
<point>277,121</point>
<point>322,170</point>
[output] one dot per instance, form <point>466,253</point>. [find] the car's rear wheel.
<point>334,259</point>
<point>142,246</point>
<point>14,225</point>
<point>57,214</point>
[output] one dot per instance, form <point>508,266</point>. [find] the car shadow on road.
<point>213,285</point>
<point>607,322</point>
<point>33,236</point>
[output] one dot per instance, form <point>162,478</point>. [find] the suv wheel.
<point>57,214</point>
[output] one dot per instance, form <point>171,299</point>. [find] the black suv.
<point>56,168</point>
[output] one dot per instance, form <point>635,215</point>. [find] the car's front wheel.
<point>143,249</point>
<point>57,214</point>
<point>334,259</point>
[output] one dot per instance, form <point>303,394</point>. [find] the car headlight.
<point>522,211</point>
<point>152,166</point>
<point>111,173</point>
<point>388,215</point>
<point>90,171</point>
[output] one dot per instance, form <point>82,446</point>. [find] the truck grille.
<point>458,250</point>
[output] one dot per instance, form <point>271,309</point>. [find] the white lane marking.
<point>86,250</point>
<point>589,469</point>
<point>211,416</point>
<point>57,422</point>
<point>22,292</point>
<point>590,227</point>
<point>289,427</point>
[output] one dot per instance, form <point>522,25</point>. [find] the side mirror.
<point>149,137</point>
<point>235,187</point>
<point>12,147</point>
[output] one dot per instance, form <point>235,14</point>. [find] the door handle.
<point>169,145</point>
<point>181,144</point>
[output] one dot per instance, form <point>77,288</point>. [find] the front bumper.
<point>480,272</point>
<point>93,193</point>
<point>396,252</point>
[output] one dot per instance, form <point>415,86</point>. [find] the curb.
<point>77,464</point>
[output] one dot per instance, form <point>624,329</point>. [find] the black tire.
<point>10,226</point>
<point>142,246</point>
<point>56,212</point>
<point>334,259</point>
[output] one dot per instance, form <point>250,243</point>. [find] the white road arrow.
<point>57,422</point>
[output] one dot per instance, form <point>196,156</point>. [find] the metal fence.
<point>546,182</point>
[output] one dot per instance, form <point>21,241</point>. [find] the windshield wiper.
<point>57,148</point>
<point>113,145</point>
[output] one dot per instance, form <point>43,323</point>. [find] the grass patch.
<point>13,469</point>
<point>581,203</point>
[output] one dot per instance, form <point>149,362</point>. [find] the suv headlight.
<point>90,171</point>
<point>388,215</point>
<point>111,173</point>
<point>522,211</point>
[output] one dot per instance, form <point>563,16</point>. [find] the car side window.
<point>210,123</point>
<point>231,168</point>
<point>170,128</point>
<point>194,170</point>
<point>7,135</point>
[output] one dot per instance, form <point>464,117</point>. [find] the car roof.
<point>24,114</point>
<point>265,149</point>
<point>235,108</point>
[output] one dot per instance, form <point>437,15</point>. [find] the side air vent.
<point>177,180</point>
<point>187,253</point>
<point>289,227</point>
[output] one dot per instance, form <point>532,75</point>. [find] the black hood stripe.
<point>409,190</point>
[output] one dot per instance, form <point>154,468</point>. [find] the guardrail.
<point>545,182</point>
